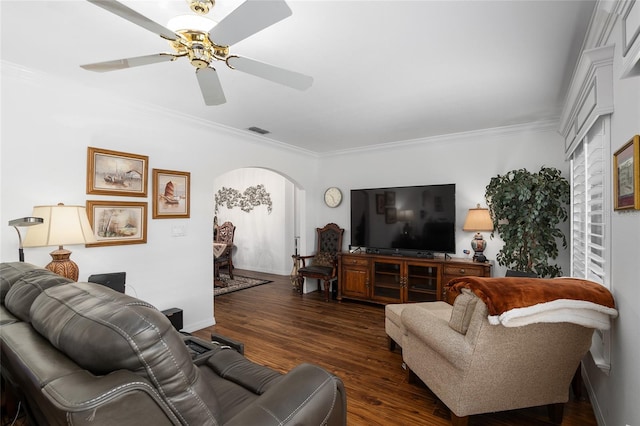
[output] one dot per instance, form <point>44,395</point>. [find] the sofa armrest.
<point>82,390</point>
<point>308,394</point>
<point>121,397</point>
<point>231,365</point>
<point>435,332</point>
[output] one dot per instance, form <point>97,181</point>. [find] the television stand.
<point>389,278</point>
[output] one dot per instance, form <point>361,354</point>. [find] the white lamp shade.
<point>63,225</point>
<point>478,219</point>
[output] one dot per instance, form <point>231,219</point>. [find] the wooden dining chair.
<point>323,265</point>
<point>224,234</point>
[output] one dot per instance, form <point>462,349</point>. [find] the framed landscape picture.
<point>171,196</point>
<point>117,222</point>
<point>116,173</point>
<point>626,176</point>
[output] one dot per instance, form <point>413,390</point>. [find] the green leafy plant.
<point>526,209</point>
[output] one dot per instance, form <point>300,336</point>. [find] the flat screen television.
<point>408,220</point>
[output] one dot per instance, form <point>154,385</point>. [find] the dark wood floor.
<point>282,329</point>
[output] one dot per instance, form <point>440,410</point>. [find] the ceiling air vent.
<point>258,130</point>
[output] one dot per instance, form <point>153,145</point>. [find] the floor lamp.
<point>63,225</point>
<point>23,222</point>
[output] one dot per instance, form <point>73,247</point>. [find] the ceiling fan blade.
<point>131,15</point>
<point>210,86</point>
<point>119,64</point>
<point>270,72</point>
<point>247,19</point>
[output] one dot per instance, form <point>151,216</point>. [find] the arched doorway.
<point>264,205</point>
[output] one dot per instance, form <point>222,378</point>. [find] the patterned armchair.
<point>324,264</point>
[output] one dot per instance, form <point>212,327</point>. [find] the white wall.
<point>47,125</point>
<point>468,160</point>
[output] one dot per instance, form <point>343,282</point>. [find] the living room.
<point>48,122</point>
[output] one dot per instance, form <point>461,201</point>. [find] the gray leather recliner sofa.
<point>83,354</point>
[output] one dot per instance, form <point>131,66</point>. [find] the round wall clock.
<point>332,197</point>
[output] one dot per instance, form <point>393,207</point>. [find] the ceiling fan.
<point>203,42</point>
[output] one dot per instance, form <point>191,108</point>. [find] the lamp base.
<point>62,265</point>
<point>479,257</point>
<point>478,244</point>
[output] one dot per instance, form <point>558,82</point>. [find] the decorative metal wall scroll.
<point>252,197</point>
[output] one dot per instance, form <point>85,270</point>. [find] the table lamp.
<point>63,225</point>
<point>24,221</point>
<point>478,220</point>
<point>406,216</point>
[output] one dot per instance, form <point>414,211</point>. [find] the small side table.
<point>175,316</point>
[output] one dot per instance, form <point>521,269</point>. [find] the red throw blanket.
<point>515,301</point>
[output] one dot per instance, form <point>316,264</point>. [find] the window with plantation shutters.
<point>588,210</point>
<point>590,219</point>
<point>585,125</point>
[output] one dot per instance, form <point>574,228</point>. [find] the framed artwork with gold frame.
<point>626,176</point>
<point>171,194</point>
<point>116,173</point>
<point>117,222</point>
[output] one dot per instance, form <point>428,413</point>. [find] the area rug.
<point>238,282</point>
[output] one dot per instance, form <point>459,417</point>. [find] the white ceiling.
<point>384,71</point>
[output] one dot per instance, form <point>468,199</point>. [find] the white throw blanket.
<point>580,312</point>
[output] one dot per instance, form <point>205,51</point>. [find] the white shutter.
<point>578,212</point>
<point>589,207</point>
<point>590,220</point>
<point>595,210</point>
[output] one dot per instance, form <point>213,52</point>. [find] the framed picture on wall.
<point>170,194</point>
<point>389,198</point>
<point>390,215</point>
<point>116,173</point>
<point>380,203</point>
<point>626,176</point>
<point>117,222</point>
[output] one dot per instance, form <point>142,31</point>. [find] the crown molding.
<point>39,79</point>
<point>532,127</point>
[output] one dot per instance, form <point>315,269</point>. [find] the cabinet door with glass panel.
<point>388,280</point>
<point>422,282</point>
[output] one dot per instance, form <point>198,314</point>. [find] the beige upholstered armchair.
<point>479,360</point>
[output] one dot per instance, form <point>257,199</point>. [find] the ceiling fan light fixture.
<point>191,23</point>
<point>200,55</point>
<point>193,36</point>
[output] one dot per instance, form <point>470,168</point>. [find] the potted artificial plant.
<point>526,209</point>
